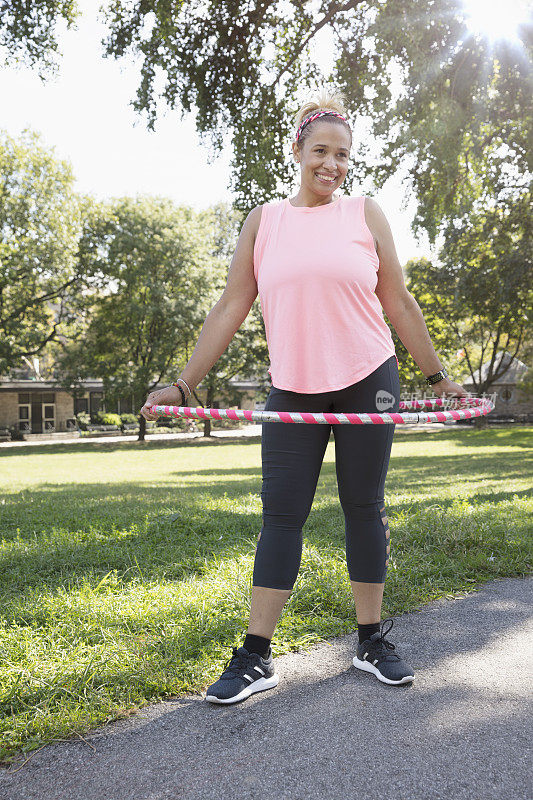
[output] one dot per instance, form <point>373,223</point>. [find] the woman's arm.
<point>222,322</point>
<point>228,314</point>
<point>399,304</point>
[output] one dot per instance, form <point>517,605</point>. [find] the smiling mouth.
<point>330,179</point>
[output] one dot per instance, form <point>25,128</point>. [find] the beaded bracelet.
<point>183,398</point>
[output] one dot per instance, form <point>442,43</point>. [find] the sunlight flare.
<point>494,19</point>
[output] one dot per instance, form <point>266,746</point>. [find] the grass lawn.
<point>126,568</point>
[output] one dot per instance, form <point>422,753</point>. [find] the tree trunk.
<point>481,422</point>
<point>209,401</point>
<point>142,428</point>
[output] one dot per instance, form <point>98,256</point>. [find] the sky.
<point>84,113</point>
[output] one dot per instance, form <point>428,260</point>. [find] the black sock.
<point>257,644</point>
<point>366,631</point>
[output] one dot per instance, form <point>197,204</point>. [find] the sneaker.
<point>375,655</point>
<point>247,673</point>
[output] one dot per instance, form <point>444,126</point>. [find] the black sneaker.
<point>375,655</point>
<point>247,673</point>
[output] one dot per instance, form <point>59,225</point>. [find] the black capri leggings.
<point>292,455</point>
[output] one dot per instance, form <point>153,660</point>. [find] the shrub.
<point>129,419</point>
<point>227,423</point>
<point>105,418</point>
<point>83,419</point>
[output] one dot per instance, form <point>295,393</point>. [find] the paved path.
<point>250,429</point>
<point>246,430</point>
<point>329,731</point>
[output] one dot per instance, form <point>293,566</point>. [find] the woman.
<point>324,266</point>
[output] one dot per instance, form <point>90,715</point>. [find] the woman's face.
<point>325,154</point>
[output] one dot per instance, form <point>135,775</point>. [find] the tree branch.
<point>333,11</point>
<point>36,300</point>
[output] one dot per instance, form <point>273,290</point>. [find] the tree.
<point>420,282</point>
<point>40,223</point>
<point>246,65</point>
<point>158,270</point>
<point>149,262</point>
<point>27,30</point>
<point>480,287</point>
<point>461,121</point>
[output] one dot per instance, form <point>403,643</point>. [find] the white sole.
<point>257,686</point>
<point>367,667</point>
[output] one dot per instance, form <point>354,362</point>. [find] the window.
<point>81,405</point>
<point>36,412</point>
<point>24,415</point>
<point>49,421</point>
<point>506,394</point>
<point>126,405</point>
<point>96,402</point>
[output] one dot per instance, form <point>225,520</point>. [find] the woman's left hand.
<point>449,388</point>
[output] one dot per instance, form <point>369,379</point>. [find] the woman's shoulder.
<point>263,211</point>
<point>361,201</point>
<point>259,215</point>
<point>353,198</point>
<point>267,206</point>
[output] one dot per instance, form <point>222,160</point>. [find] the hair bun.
<point>326,100</point>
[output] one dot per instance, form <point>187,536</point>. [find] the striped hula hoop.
<point>469,407</point>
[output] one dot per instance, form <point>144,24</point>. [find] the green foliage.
<point>16,434</point>
<point>478,296</point>
<point>461,122</point>
<point>105,418</point>
<point>40,222</point>
<point>27,31</point>
<point>129,419</point>
<point>148,297</point>
<point>246,68</point>
<point>83,419</point>
<point>157,270</point>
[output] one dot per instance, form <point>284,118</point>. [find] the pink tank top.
<point>316,272</point>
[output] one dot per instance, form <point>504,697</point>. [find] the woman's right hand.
<point>169,396</point>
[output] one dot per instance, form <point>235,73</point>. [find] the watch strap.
<point>438,376</point>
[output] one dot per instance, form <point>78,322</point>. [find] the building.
<point>34,406</point>
<point>510,399</point>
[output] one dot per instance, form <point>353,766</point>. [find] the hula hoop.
<point>469,407</point>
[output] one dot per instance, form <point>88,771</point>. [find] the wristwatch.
<point>438,376</point>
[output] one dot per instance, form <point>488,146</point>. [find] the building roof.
<point>512,375</point>
<point>26,384</point>
<point>92,384</point>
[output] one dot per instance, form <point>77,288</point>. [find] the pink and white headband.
<point>315,116</point>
